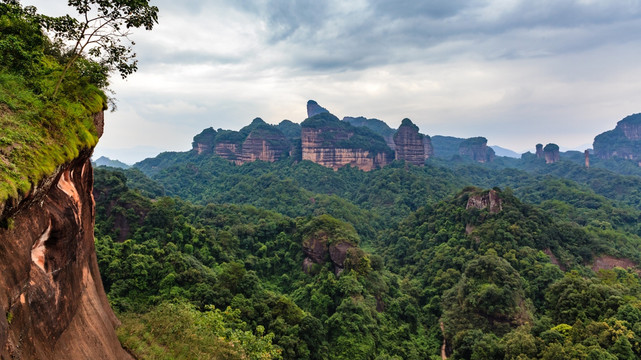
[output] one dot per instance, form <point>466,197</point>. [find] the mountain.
<point>476,149</point>
<point>51,294</point>
<point>377,126</point>
<point>333,143</point>
<point>624,141</point>
<point>105,161</point>
<point>257,141</point>
<point>501,151</point>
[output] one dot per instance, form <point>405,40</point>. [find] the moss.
<point>40,135</point>
<point>9,317</point>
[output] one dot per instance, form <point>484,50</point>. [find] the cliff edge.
<point>50,287</point>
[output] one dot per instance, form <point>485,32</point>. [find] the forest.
<point>204,259</point>
<point>513,259</point>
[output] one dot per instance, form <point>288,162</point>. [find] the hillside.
<point>50,287</point>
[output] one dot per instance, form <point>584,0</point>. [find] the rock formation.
<point>257,141</point>
<point>551,152</point>
<point>329,239</point>
<point>539,151</point>
<point>265,143</point>
<point>490,200</point>
<point>428,149</point>
<point>409,143</point>
<point>587,158</point>
<point>327,141</point>
<point>50,287</point>
<point>314,109</point>
<point>624,141</point>
<point>204,142</point>
<point>229,150</point>
<point>377,126</point>
<point>476,149</point>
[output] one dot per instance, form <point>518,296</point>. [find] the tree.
<point>99,30</point>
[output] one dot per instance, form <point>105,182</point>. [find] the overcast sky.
<point>518,72</point>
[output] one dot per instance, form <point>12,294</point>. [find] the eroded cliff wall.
<point>322,146</point>
<point>409,144</point>
<point>51,294</point>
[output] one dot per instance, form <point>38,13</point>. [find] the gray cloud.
<point>517,72</point>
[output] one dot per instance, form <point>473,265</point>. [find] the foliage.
<point>97,34</point>
<point>179,331</point>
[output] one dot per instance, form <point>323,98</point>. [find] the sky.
<point>518,72</point>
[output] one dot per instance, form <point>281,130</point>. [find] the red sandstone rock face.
<point>229,151</point>
<point>317,149</point>
<point>428,148</point>
<point>265,146</point>
<point>202,149</point>
<point>490,201</point>
<point>317,249</point>
<point>631,131</point>
<point>409,145</point>
<point>539,151</point>
<point>477,150</point>
<point>552,156</point>
<point>50,286</point>
<point>586,153</point>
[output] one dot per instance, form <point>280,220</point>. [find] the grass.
<point>38,135</point>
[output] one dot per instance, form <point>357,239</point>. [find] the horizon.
<point>517,73</point>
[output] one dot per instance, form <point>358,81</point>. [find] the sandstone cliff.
<point>330,142</point>
<point>265,143</point>
<point>624,141</point>
<point>204,142</point>
<point>476,149</point>
<point>539,151</point>
<point>428,148</point>
<point>314,109</point>
<point>257,141</point>
<point>551,153</point>
<point>50,287</point>
<point>410,145</point>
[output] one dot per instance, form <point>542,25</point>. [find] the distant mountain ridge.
<point>371,143</point>
<point>624,141</point>
<point>105,161</point>
<point>324,139</point>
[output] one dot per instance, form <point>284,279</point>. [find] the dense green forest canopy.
<point>532,276</point>
<point>201,258</point>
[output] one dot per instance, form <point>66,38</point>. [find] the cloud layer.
<point>517,72</point>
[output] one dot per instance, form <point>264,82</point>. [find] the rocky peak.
<point>624,141</point>
<point>327,141</point>
<point>631,127</point>
<point>409,143</point>
<point>264,142</point>
<point>204,142</point>
<point>326,238</point>
<point>256,141</point>
<point>539,151</point>
<point>489,200</point>
<point>551,152</point>
<point>314,109</point>
<point>476,149</point>
<point>587,158</point>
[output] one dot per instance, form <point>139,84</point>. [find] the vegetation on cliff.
<point>38,132</point>
<point>334,131</point>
